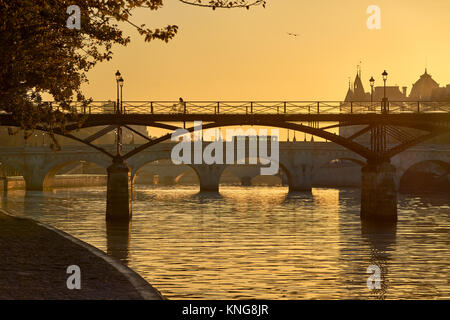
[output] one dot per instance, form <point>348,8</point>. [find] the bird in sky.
<point>293,34</point>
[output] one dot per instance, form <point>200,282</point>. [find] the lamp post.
<point>385,99</point>
<point>372,83</point>
<point>121,81</point>
<point>118,77</point>
<point>385,75</point>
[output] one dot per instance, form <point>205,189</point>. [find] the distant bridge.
<point>300,161</point>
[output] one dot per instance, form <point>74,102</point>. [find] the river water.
<point>259,242</point>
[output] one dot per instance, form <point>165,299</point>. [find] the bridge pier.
<point>34,180</point>
<point>379,193</point>
<point>300,178</point>
<point>246,181</point>
<point>118,193</point>
<point>209,176</point>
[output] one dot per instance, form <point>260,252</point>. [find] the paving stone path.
<point>34,261</point>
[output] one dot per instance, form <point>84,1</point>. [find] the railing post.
<point>351,106</point>
<point>89,109</point>
<point>285,107</point>
<point>218,107</point>
<point>318,107</point>
<point>418,106</point>
<point>151,107</point>
<point>251,107</point>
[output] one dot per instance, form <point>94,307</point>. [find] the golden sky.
<point>247,54</point>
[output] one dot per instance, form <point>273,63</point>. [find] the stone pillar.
<point>300,178</point>
<point>34,180</point>
<point>209,176</point>
<point>246,181</point>
<point>379,193</point>
<point>118,194</point>
<point>284,179</point>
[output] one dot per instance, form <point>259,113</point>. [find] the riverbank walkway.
<point>34,261</point>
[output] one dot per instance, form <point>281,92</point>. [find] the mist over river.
<point>259,242</point>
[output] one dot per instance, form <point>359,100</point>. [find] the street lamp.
<point>118,77</point>
<point>121,81</point>
<point>372,83</point>
<point>385,75</point>
<point>385,99</point>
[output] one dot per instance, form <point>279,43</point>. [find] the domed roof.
<point>423,87</point>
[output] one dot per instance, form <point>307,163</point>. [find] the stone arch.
<point>11,177</point>
<point>245,174</point>
<point>178,178</point>
<point>246,180</point>
<point>137,163</point>
<point>38,168</point>
<point>182,175</point>
<point>327,175</point>
<point>281,167</point>
<point>354,160</point>
<point>140,160</point>
<point>407,159</point>
<point>429,182</point>
<point>135,176</point>
<point>49,174</point>
<point>231,174</point>
<point>11,164</point>
<point>325,157</point>
<point>340,155</point>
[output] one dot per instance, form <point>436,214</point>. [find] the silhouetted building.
<point>423,88</point>
<point>357,92</point>
<point>393,93</point>
<point>441,94</point>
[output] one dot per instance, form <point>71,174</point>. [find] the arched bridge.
<point>391,127</point>
<point>300,161</point>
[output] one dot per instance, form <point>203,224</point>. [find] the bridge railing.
<point>259,107</point>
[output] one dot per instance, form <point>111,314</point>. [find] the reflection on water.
<point>118,236</point>
<point>381,239</point>
<point>259,242</point>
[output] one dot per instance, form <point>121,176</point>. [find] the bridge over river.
<point>392,127</point>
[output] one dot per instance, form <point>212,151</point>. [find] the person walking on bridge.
<point>181,106</point>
